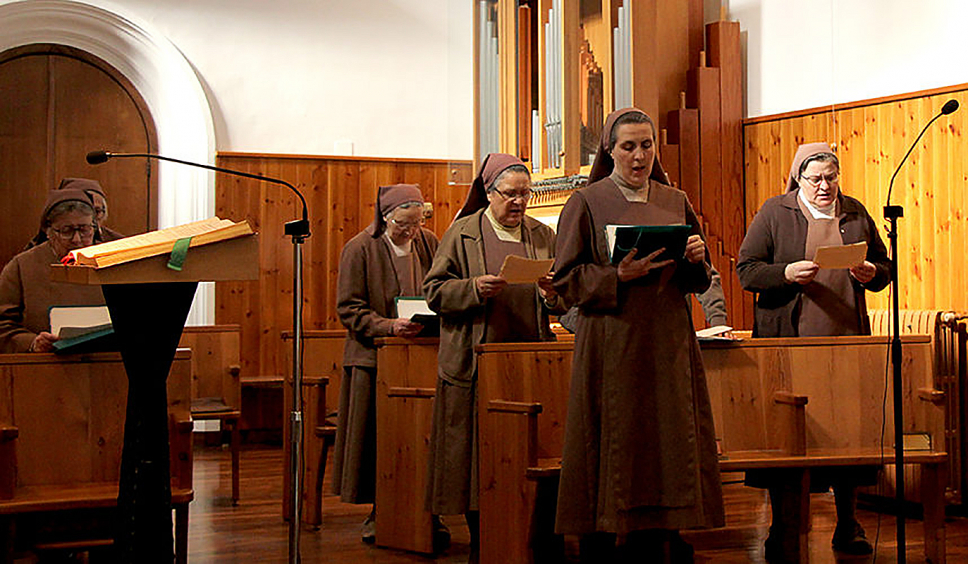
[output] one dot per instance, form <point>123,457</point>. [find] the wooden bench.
<point>61,433</point>
<point>949,340</point>
<point>322,375</point>
<point>217,383</point>
<point>523,390</point>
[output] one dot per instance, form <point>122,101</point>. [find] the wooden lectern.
<point>149,304</point>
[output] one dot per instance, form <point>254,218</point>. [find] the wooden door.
<point>57,104</point>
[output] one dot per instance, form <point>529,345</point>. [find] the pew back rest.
<point>530,373</point>
<point>216,362</point>
<point>69,414</point>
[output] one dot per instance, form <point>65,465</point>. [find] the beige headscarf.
<point>804,152</point>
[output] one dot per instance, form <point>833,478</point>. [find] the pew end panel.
<point>406,381</point>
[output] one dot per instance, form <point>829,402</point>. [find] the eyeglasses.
<point>816,180</point>
<point>525,196</point>
<point>408,224</point>
<point>68,231</point>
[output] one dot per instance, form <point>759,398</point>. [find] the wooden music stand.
<point>149,304</point>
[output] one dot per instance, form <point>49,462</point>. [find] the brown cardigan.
<point>776,238</point>
<point>366,288</point>
<point>450,292</point>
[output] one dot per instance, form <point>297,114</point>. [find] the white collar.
<point>399,250</point>
<point>829,212</point>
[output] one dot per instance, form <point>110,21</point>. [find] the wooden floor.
<point>255,531</point>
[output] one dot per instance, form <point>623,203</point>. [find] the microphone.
<point>949,108</point>
<point>297,228</point>
<point>98,157</point>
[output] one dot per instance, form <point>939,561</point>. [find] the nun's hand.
<point>695,249</point>
<point>43,342</point>
<point>489,285</point>
<point>545,288</point>
<point>801,272</point>
<point>631,268</point>
<point>864,272</point>
<point>405,328</point>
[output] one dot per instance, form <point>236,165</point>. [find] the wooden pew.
<point>949,335</point>
<point>753,384</point>
<point>405,384</point>
<point>61,432</point>
<point>216,382</point>
<point>322,374</point>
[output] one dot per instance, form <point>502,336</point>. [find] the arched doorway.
<point>60,103</point>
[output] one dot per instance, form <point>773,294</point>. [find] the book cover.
<point>646,239</point>
<point>82,329</point>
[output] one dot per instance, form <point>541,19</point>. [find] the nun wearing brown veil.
<point>477,306</point>
<point>640,452</point>
<point>794,297</point>
<point>26,290</point>
<point>386,260</point>
<point>99,201</point>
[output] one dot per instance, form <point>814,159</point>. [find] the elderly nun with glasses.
<point>476,306</point>
<point>26,291</point>
<point>386,260</point>
<point>795,298</point>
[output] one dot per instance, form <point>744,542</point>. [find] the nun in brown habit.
<point>386,260</point>
<point>477,306</point>
<point>796,298</point>
<point>99,201</point>
<point>640,451</point>
<point>26,291</point>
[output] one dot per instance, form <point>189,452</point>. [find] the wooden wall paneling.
<point>341,193</point>
<point>703,93</point>
<point>570,63</point>
<point>871,139</point>
<point>684,132</point>
<point>643,32</point>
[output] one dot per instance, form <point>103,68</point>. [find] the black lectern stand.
<point>149,304</point>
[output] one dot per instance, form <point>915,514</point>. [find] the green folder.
<point>646,239</point>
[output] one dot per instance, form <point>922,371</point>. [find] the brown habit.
<point>368,282</point>
<point>465,321</point>
<point>26,294</point>
<point>640,447</point>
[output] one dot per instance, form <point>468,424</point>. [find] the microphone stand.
<point>298,231</point>
<point>892,213</point>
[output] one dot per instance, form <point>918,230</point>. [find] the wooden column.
<point>645,90</point>
<point>571,115</point>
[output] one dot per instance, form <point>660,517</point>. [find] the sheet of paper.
<point>841,256</point>
<point>520,270</point>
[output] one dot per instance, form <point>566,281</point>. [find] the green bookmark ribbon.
<point>178,254</point>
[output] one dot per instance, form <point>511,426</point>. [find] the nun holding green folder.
<point>639,458</point>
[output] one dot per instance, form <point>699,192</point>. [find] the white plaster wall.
<point>809,53</point>
<point>392,77</point>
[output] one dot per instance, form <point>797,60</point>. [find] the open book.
<point>646,239</point>
<point>81,328</point>
<point>416,309</point>
<point>159,242</point>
